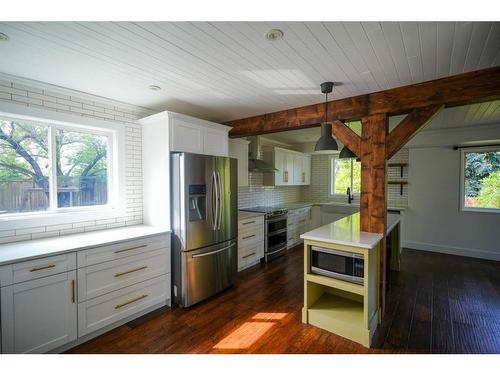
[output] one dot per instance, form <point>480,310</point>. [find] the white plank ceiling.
<point>228,70</point>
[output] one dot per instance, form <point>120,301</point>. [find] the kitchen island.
<point>345,306</point>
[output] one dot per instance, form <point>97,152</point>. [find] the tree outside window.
<point>79,167</point>
<point>481,187</point>
<point>345,173</point>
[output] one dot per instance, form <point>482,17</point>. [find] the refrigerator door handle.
<point>219,202</point>
<point>214,252</point>
<point>213,205</point>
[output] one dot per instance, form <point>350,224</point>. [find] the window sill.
<point>57,218</point>
<point>481,210</point>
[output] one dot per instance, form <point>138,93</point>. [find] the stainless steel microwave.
<point>337,264</point>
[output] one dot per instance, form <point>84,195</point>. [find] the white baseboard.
<point>452,250</point>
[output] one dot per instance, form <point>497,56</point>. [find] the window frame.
<point>331,179</point>
<point>116,169</point>
<point>462,205</point>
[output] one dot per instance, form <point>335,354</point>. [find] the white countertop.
<point>27,250</point>
<point>354,205</point>
<point>346,231</point>
<point>242,215</point>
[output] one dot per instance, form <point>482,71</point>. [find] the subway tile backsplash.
<point>256,194</point>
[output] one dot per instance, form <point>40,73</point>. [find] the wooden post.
<point>373,204</point>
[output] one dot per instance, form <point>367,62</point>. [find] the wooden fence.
<point>25,196</point>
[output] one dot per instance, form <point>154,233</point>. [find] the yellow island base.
<point>345,308</point>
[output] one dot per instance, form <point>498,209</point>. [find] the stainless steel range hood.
<point>255,163</point>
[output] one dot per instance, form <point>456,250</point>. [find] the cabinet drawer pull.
<point>127,272</point>
<point>302,221</point>
<point>131,301</point>
<point>42,268</point>
<point>249,255</point>
<point>129,249</point>
<point>73,292</point>
<point>244,238</point>
<point>248,222</point>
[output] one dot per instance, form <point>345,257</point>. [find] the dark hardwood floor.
<point>437,304</point>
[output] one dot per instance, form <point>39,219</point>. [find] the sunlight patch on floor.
<point>244,336</point>
<point>249,332</point>
<point>269,316</point>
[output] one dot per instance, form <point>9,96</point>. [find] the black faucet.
<point>350,197</point>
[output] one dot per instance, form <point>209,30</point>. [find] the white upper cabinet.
<point>298,176</point>
<point>306,169</point>
<point>185,136</point>
<point>190,134</point>
<point>238,149</point>
<point>293,168</point>
<point>280,176</point>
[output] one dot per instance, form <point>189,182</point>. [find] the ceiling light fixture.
<point>346,153</point>
<point>3,37</point>
<point>326,143</point>
<point>154,87</point>
<point>274,34</point>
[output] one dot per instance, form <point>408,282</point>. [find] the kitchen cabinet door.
<point>186,137</point>
<point>289,168</point>
<point>39,315</point>
<point>215,142</point>
<point>280,165</point>
<point>306,169</point>
<point>298,177</point>
<point>238,148</point>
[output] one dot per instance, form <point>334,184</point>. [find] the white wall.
<point>433,220</point>
<point>41,96</point>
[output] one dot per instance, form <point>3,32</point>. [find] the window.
<point>344,173</point>
<point>52,167</point>
<point>480,187</point>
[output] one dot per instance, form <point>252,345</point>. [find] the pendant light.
<point>346,153</point>
<point>326,143</point>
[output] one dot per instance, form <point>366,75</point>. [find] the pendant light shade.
<point>326,143</point>
<point>346,153</point>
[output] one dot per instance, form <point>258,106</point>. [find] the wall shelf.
<point>397,164</point>
<point>401,183</point>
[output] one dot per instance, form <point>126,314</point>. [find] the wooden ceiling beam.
<point>415,121</point>
<point>461,89</point>
<point>347,136</point>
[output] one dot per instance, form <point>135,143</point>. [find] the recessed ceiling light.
<point>274,34</point>
<point>154,87</point>
<point>3,37</point>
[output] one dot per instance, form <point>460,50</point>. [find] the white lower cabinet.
<point>99,279</point>
<point>250,241</point>
<point>298,222</point>
<point>55,301</point>
<point>99,312</point>
<point>39,315</point>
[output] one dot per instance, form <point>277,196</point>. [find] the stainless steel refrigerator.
<point>204,226</point>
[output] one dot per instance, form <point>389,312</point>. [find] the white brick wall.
<point>258,195</point>
<point>47,97</point>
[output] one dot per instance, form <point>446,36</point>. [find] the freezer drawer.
<point>206,272</point>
